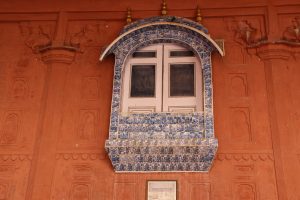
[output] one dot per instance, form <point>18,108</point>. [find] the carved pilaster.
<point>275,56</point>
<point>58,53</point>
<point>274,51</point>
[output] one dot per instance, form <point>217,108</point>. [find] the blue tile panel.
<point>162,155</point>
<point>162,141</point>
<point>161,125</point>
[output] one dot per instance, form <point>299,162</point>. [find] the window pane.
<point>181,54</point>
<point>182,80</point>
<point>144,54</point>
<point>142,81</point>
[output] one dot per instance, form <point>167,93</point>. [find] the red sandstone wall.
<point>55,106</point>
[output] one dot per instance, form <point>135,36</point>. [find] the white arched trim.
<point>162,23</point>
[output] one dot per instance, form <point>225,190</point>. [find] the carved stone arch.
<point>190,149</point>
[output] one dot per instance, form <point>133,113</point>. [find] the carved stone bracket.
<point>39,38</point>
<point>36,36</point>
<point>251,34</point>
<point>292,32</point>
<point>245,33</point>
<point>81,37</point>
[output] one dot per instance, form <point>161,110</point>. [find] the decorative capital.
<point>58,53</point>
<point>164,10</point>
<point>274,51</point>
<point>39,38</point>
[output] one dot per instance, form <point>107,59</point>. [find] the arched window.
<point>162,101</point>
<point>162,78</point>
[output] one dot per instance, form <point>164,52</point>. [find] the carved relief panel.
<point>88,131</point>
<point>289,25</point>
<point>91,33</point>
<point>17,129</point>
<point>10,128</point>
<point>238,85</point>
<point>81,187</point>
<point>247,30</point>
<point>87,34</point>
<point>240,124</point>
<point>245,191</point>
<point>238,32</point>
<point>24,84</point>
<point>80,191</point>
<point>37,35</point>
<point>19,89</point>
<point>4,80</point>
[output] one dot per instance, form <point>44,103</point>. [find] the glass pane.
<point>144,54</point>
<point>182,80</point>
<point>142,81</point>
<point>182,54</point>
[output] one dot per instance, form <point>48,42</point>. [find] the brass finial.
<point>164,8</point>
<point>198,16</point>
<point>128,18</point>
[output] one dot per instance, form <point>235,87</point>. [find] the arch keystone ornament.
<point>191,146</point>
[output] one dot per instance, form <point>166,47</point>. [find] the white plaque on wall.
<point>161,190</point>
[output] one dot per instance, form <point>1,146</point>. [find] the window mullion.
<point>163,74</point>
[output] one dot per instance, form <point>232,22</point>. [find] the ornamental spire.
<point>164,10</point>
<point>198,15</point>
<point>128,18</point>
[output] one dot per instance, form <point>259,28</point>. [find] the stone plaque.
<point>161,190</point>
